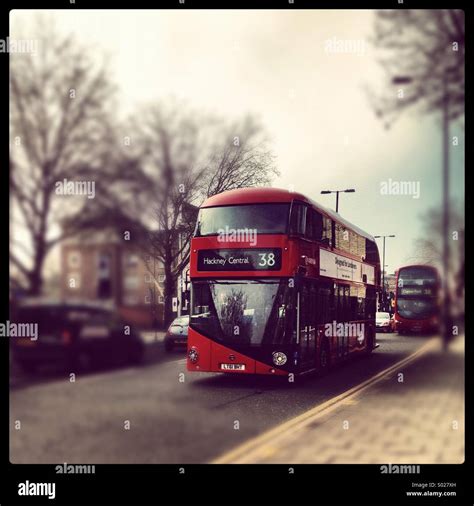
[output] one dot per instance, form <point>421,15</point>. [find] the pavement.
<point>411,414</point>
<point>176,416</point>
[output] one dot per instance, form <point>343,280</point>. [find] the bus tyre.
<point>324,358</point>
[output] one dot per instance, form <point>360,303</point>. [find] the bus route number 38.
<point>266,259</point>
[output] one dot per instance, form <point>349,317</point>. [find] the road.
<point>160,413</point>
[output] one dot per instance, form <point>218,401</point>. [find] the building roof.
<point>277,195</point>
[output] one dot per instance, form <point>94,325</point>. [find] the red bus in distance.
<point>279,285</point>
<point>417,299</point>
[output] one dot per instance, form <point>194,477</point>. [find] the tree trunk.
<point>35,279</point>
<point>169,293</point>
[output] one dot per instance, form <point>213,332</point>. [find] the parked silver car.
<point>177,333</point>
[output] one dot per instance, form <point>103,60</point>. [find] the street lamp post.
<point>383,267</point>
<point>337,192</point>
<point>447,330</point>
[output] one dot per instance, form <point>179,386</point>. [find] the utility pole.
<point>384,298</point>
<point>447,324</point>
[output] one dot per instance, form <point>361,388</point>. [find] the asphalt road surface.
<point>160,413</point>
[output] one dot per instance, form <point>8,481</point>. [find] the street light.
<point>383,266</point>
<point>337,192</point>
<point>402,80</point>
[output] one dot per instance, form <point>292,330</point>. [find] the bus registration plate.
<point>233,367</point>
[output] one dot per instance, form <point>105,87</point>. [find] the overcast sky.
<point>275,64</point>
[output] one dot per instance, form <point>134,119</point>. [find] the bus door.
<point>306,322</point>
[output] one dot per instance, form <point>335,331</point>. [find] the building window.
<point>161,278</point>
<point>131,282</point>
<point>130,300</point>
<point>161,299</point>
<point>148,278</point>
<point>104,282</point>
<point>103,265</point>
<point>132,260</point>
<point>74,259</point>
<point>104,288</point>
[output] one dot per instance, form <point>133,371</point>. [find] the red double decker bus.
<point>417,299</point>
<point>279,285</point>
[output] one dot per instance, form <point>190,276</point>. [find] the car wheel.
<point>169,346</point>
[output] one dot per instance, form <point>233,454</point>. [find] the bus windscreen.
<point>243,312</point>
<point>263,218</point>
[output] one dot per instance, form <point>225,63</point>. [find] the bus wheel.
<point>324,358</point>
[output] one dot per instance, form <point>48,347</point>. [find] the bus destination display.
<point>267,259</point>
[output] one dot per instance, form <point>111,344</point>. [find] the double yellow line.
<point>262,445</point>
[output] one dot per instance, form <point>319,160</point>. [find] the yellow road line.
<point>258,445</point>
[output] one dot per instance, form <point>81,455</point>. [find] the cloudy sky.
<point>276,65</point>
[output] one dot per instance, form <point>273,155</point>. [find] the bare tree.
<point>242,160</point>
<point>59,130</point>
<point>422,51</point>
<point>176,158</point>
<point>190,156</point>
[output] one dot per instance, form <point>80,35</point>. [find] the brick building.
<point>101,266</point>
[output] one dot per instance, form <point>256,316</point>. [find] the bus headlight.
<point>279,358</point>
<point>193,355</point>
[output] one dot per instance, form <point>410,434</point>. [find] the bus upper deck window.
<point>298,219</point>
<point>314,224</point>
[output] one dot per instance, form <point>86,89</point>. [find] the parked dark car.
<point>177,333</point>
<point>74,335</point>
